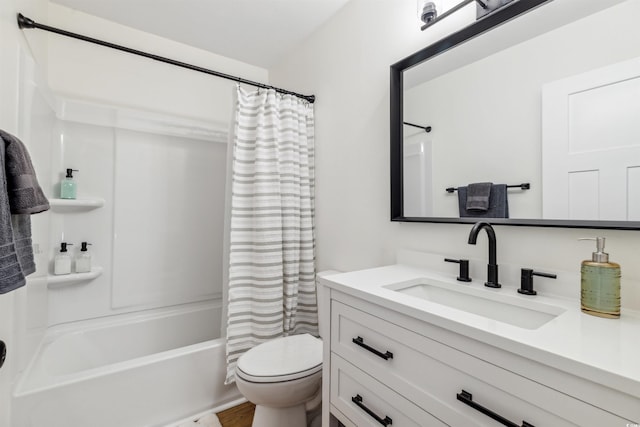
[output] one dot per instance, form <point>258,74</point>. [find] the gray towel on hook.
<point>498,203</point>
<point>23,190</point>
<point>20,196</point>
<point>478,196</point>
<point>11,275</point>
<point>21,225</point>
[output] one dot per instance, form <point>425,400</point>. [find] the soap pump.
<point>68,185</point>
<point>600,283</point>
<point>62,261</point>
<point>83,260</point>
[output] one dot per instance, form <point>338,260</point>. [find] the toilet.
<point>283,378</point>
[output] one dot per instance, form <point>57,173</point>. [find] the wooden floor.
<point>238,416</point>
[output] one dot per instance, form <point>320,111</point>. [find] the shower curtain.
<point>271,283</point>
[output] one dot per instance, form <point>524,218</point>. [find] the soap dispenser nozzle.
<point>70,172</point>
<point>84,248</point>
<point>63,246</point>
<point>599,255</point>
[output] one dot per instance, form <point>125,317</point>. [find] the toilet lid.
<point>282,359</point>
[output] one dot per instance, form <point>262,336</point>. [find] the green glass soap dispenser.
<point>68,185</point>
<point>600,284</point>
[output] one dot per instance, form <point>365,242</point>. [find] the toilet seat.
<point>282,359</point>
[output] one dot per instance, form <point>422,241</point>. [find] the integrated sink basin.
<point>512,310</point>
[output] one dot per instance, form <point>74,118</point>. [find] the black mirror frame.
<point>494,20</point>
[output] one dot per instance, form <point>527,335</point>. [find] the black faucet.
<point>492,267</point>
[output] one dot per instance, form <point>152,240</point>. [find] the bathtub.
<point>132,370</point>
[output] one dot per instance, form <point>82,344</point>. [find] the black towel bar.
<point>425,128</point>
<point>523,186</point>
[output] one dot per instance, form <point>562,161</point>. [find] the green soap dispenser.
<point>600,284</point>
<point>68,185</point>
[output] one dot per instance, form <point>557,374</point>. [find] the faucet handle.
<point>464,269</point>
<point>526,280</point>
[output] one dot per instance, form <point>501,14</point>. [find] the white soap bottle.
<point>83,260</point>
<point>62,261</point>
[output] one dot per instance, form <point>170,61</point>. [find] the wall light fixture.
<point>429,14</point>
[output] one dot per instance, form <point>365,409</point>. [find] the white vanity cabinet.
<point>384,367</point>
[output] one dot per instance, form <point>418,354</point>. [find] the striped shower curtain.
<point>271,288</point>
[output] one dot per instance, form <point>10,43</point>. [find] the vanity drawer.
<point>366,402</point>
<point>432,375</point>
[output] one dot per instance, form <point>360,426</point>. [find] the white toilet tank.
<point>322,324</point>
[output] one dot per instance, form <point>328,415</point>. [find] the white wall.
<point>158,238</point>
<point>11,47</point>
<point>82,70</point>
<point>346,64</point>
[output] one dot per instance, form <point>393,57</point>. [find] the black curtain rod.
<point>24,22</point>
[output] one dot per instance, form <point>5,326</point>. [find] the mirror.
<point>523,96</point>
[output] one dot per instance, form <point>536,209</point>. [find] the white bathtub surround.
<point>174,369</point>
<point>272,247</point>
<point>135,162</point>
<point>151,367</point>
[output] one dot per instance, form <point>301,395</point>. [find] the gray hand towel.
<point>498,203</point>
<point>11,275</point>
<point>20,196</point>
<point>478,196</point>
<point>23,190</point>
<point>21,225</point>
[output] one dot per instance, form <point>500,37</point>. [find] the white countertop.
<point>606,351</point>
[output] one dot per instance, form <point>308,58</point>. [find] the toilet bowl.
<point>283,377</point>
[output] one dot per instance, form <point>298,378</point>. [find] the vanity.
<point>410,346</point>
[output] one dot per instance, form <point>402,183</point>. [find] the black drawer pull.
<point>386,356</point>
<point>358,401</point>
<point>466,398</point>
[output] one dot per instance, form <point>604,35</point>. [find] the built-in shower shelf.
<point>72,204</point>
<point>54,281</point>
